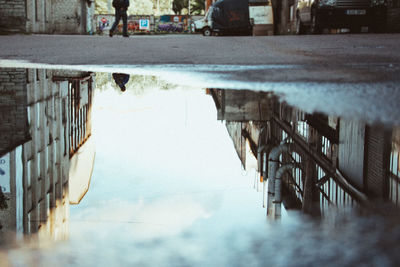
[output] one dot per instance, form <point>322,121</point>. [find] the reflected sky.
<point>166,172</point>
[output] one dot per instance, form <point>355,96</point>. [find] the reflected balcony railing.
<point>341,151</point>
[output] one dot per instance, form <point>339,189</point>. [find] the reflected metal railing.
<point>332,192</point>
<point>80,94</point>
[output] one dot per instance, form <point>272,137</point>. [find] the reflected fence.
<point>80,95</point>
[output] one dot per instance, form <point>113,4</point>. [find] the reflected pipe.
<point>278,187</point>
<point>260,154</point>
<point>265,180</point>
<point>262,158</point>
<point>273,161</point>
<point>260,150</point>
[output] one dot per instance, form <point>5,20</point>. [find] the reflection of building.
<point>44,16</point>
<point>36,169</point>
<point>80,95</point>
<point>320,161</point>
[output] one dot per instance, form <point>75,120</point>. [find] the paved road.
<point>363,58</point>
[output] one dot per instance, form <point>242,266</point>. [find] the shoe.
<point>111,34</point>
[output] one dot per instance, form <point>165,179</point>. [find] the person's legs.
<point>125,23</point>
<point>116,22</point>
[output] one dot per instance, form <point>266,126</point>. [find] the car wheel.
<point>207,32</point>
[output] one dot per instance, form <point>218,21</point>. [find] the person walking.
<point>121,6</point>
<point>121,79</point>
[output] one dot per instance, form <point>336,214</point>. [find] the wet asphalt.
<point>344,58</point>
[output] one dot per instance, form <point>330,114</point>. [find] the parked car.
<point>315,15</point>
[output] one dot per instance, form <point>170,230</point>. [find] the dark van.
<point>316,15</point>
<point>228,17</point>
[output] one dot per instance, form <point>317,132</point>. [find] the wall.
<point>67,16</point>
<point>13,133</point>
<point>246,106</point>
<point>12,16</point>
<point>235,131</point>
<point>38,169</point>
<point>38,13</point>
<point>378,144</point>
<point>46,16</point>
<point>13,115</point>
<point>351,151</point>
<point>164,23</point>
<point>11,218</point>
<point>46,161</point>
<point>35,178</point>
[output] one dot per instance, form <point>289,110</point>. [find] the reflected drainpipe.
<point>273,161</point>
<point>278,188</point>
<point>261,158</point>
<point>260,154</point>
<point>265,180</point>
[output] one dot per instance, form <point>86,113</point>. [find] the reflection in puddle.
<point>44,124</point>
<point>170,185</point>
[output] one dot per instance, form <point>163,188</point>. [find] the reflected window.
<point>326,147</point>
<point>302,129</point>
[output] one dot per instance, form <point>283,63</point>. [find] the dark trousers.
<point>118,15</point>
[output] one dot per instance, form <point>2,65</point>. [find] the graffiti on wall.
<point>145,23</point>
<point>105,22</point>
<point>173,23</point>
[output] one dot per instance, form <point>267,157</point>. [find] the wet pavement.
<point>344,58</point>
<point>176,180</point>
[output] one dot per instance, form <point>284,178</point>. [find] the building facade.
<point>35,169</point>
<point>46,16</point>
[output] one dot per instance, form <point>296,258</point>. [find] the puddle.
<point>172,171</point>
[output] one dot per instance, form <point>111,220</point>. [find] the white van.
<point>259,17</point>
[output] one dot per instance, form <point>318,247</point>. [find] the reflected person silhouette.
<point>121,79</point>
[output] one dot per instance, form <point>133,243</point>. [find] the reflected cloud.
<point>144,220</point>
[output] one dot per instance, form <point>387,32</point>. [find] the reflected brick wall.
<point>13,115</point>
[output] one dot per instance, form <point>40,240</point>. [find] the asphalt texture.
<point>358,58</point>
